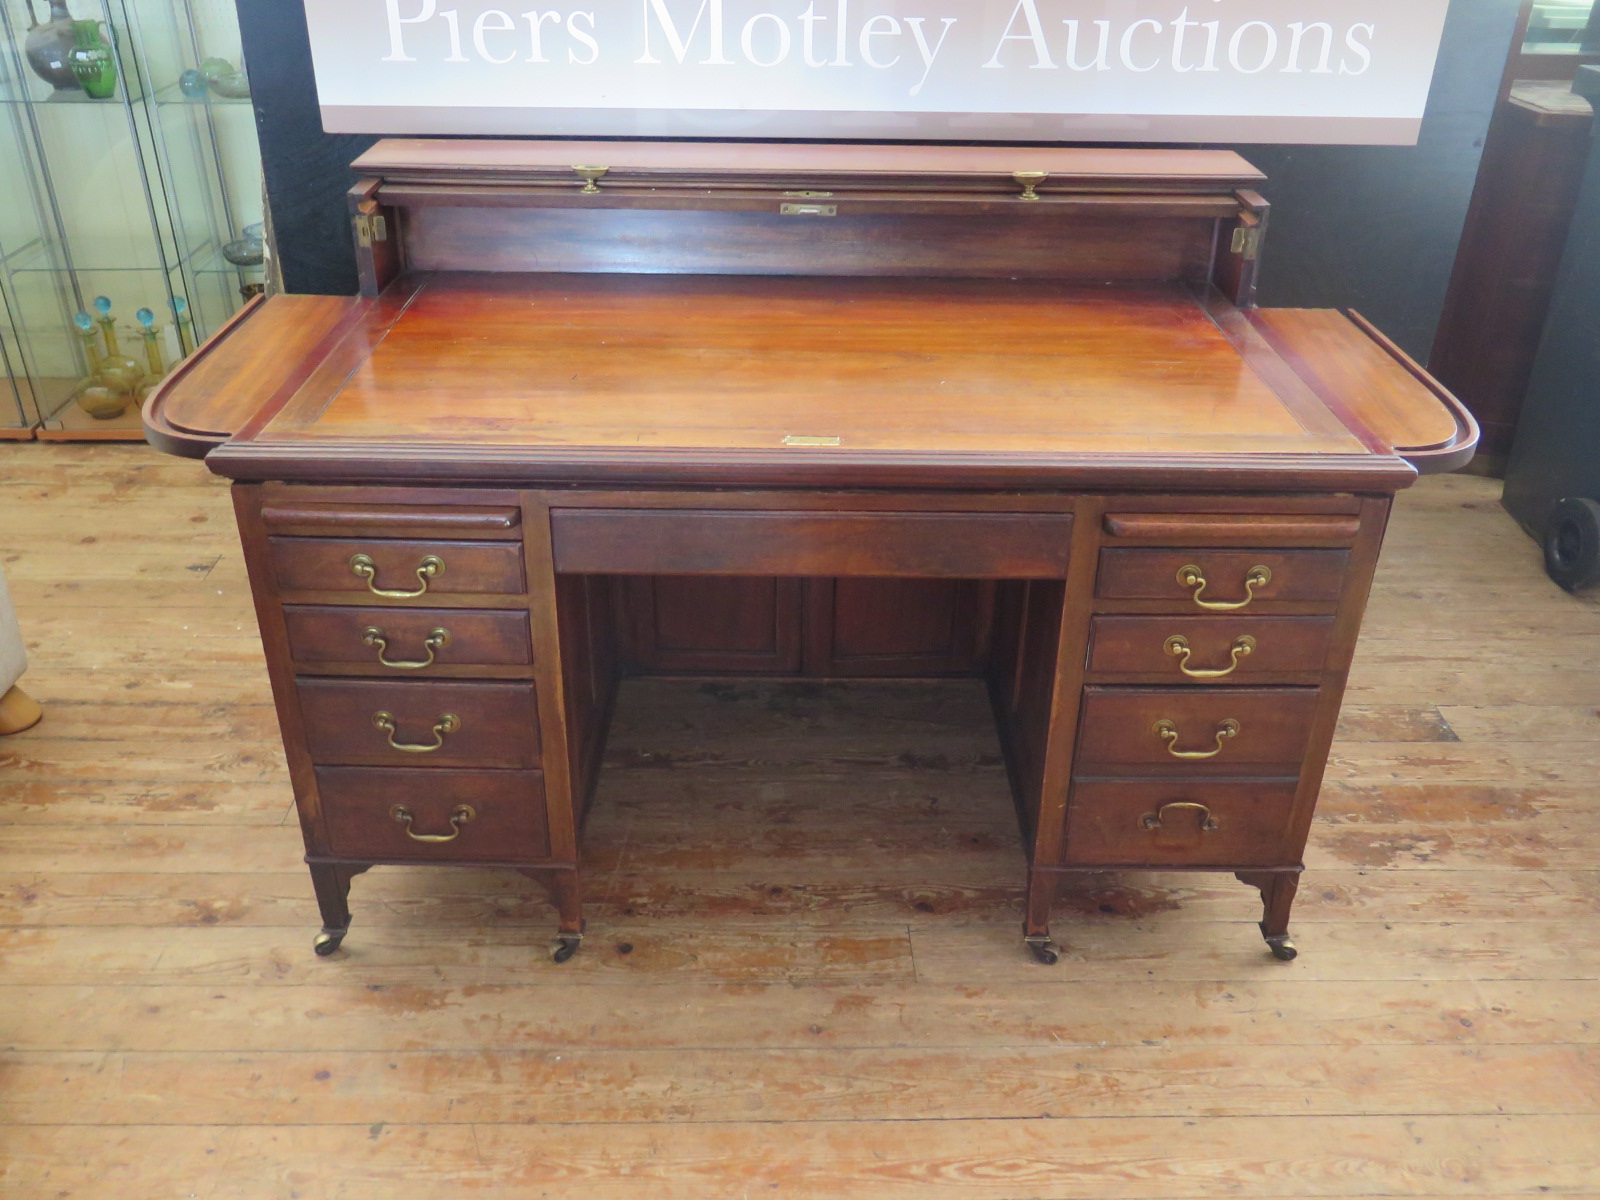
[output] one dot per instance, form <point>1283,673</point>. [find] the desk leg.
<point>1277,898</point>
<point>566,893</point>
<point>331,882</point>
<point>1054,627</point>
<point>1042,887</point>
<point>562,682</point>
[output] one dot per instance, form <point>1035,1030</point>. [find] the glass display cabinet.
<point>130,201</point>
<point>1560,36</point>
<point>1557,25</point>
<point>16,419</point>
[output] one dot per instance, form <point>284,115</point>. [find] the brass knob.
<point>591,179</point>
<point>1029,181</point>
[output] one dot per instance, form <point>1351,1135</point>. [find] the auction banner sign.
<point>1324,71</point>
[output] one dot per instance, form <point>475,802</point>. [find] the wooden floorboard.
<point>803,977</point>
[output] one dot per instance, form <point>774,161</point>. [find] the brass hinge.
<point>1247,241</point>
<point>371,228</point>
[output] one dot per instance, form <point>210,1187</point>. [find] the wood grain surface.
<point>642,361</point>
<point>208,397</point>
<point>800,978</point>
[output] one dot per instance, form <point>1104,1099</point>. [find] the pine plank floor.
<point>803,978</point>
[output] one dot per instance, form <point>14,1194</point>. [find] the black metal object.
<point>1572,543</point>
<point>1556,456</point>
<point>1375,228</point>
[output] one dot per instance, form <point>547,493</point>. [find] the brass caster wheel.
<point>327,942</point>
<point>566,946</point>
<point>1282,948</point>
<point>1043,951</point>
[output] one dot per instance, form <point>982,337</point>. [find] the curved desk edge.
<point>1379,390</point>
<point>212,394</point>
<point>1451,454</point>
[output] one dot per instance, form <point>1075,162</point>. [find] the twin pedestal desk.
<point>606,409</point>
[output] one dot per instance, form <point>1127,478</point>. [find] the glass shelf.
<point>172,94</point>
<point>68,100</point>
<point>131,197</point>
<point>97,256</point>
<point>41,94</point>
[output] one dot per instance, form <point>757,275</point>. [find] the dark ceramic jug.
<point>49,45</point>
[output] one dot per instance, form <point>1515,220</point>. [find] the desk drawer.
<point>1232,529</point>
<point>1199,730</point>
<point>1233,580</point>
<point>1167,823</point>
<point>321,519</point>
<point>407,641</point>
<point>635,541</point>
<point>1195,649</point>
<point>434,816</point>
<point>396,569</point>
<point>445,724</point>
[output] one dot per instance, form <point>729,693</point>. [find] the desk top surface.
<point>727,362</point>
<point>637,373</point>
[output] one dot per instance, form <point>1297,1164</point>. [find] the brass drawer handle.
<point>362,567</point>
<point>1167,731</point>
<point>1178,646</point>
<point>459,816</point>
<point>1256,577</point>
<point>438,639</point>
<point>447,723</point>
<point>1157,820</point>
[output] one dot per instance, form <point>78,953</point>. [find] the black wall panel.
<point>306,171</point>
<point>1375,228</point>
<point>1372,228</point>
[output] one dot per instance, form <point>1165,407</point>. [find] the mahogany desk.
<point>835,411</point>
